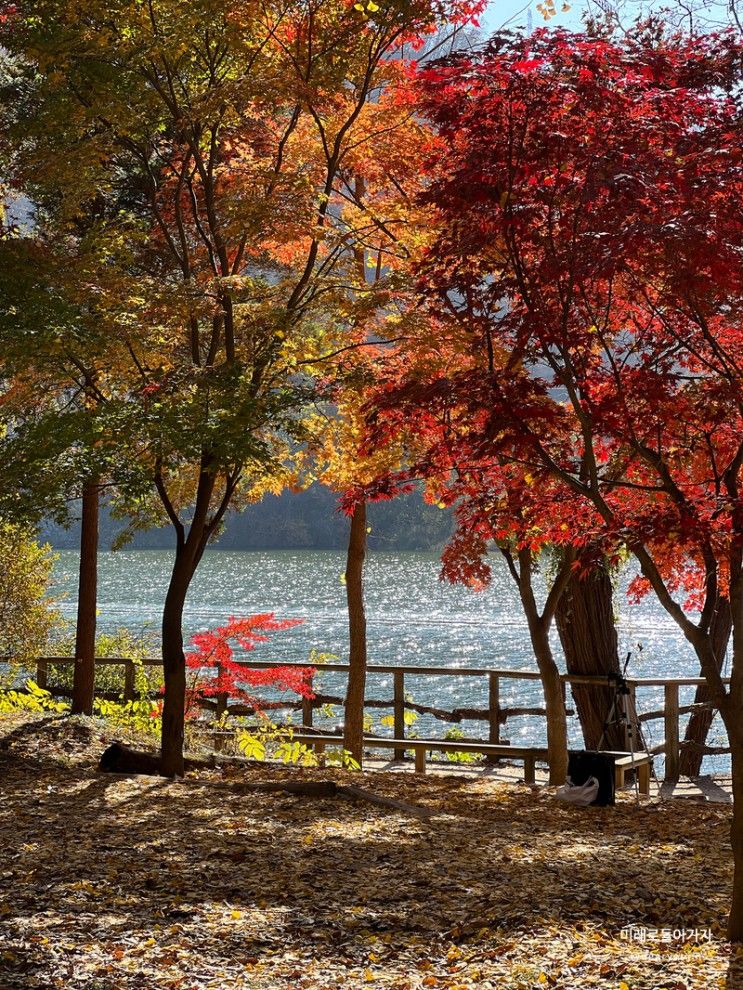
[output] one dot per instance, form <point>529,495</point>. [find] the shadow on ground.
<point>122,883</point>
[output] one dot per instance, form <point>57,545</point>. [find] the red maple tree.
<point>586,286</point>
<point>228,677</point>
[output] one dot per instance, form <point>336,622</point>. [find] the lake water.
<point>412,617</point>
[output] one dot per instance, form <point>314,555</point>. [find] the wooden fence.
<point>495,714</point>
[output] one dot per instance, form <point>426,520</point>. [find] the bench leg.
<point>420,759</point>
<point>530,775</point>
<point>618,778</point>
<point>643,778</point>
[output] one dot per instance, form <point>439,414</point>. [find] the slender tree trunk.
<point>539,633</point>
<point>698,726</point>
<point>83,686</point>
<point>174,666</point>
<point>189,551</point>
<point>585,622</point>
<point>353,728</point>
<point>557,726</point>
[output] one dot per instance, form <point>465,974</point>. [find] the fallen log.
<point>119,758</point>
<point>359,794</point>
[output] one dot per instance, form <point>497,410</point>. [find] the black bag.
<point>584,763</point>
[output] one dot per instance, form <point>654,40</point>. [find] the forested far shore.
<point>290,521</point>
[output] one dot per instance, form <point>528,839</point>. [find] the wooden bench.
<point>641,762</point>
<point>420,747</point>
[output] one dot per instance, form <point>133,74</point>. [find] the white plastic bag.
<point>581,794</point>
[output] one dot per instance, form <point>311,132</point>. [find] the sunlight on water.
<point>413,619</point>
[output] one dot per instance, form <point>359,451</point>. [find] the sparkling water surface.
<point>412,617</point>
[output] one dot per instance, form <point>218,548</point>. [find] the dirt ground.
<point>110,882</point>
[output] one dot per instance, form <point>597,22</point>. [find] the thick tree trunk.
<point>585,622</point>
<point>698,726</point>
<point>83,686</point>
<point>174,666</point>
<point>733,705</point>
<point>735,919</point>
<point>353,729</point>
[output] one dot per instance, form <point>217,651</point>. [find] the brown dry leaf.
<point>145,884</point>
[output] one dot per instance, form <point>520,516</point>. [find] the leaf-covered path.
<point>116,883</point>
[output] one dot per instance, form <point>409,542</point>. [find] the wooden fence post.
<point>633,736</point>
<point>493,712</point>
<point>671,717</point>
<point>42,673</point>
<point>129,680</point>
<point>399,710</point>
<point>307,708</point>
<point>221,695</point>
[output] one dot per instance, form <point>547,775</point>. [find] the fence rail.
<point>495,714</point>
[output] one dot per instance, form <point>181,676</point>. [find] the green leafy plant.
<point>409,718</point>
<point>110,678</point>
<point>31,698</point>
<point>270,741</point>
<point>454,734</point>
<point>141,715</point>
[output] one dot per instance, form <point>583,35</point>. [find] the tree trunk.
<point>174,666</point>
<point>539,633</point>
<point>585,622</point>
<point>353,728</point>
<point>83,686</point>
<point>733,705</point>
<point>557,725</point>
<point>735,919</point>
<point>698,726</point>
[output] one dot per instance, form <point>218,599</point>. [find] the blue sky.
<point>515,12</point>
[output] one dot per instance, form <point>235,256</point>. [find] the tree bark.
<point>735,918</point>
<point>353,727</point>
<point>730,710</point>
<point>539,629</point>
<point>83,685</point>
<point>585,622</point>
<point>698,726</point>
<point>554,703</point>
<point>174,666</point>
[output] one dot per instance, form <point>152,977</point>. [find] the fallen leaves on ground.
<point>139,883</point>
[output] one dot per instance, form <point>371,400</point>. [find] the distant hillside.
<point>306,520</point>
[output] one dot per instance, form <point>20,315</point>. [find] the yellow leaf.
<point>373,7</point>
<point>236,915</point>
<point>369,977</point>
<point>623,986</point>
<point>542,978</point>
